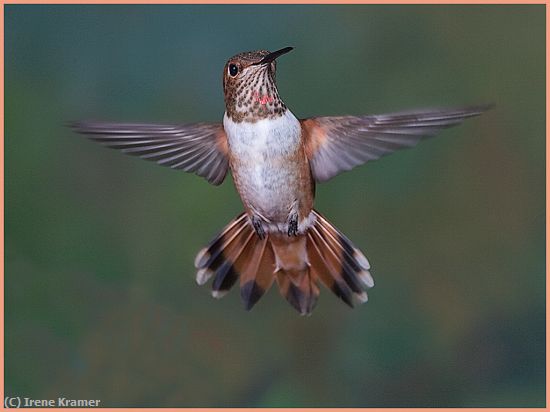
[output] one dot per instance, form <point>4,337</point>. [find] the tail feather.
<point>341,268</point>
<point>355,266</point>
<point>218,257</point>
<point>327,269</point>
<point>298,263</point>
<point>227,274</point>
<point>256,272</point>
<point>303,297</point>
<point>294,277</point>
<point>209,258</point>
<point>237,253</point>
<point>352,256</point>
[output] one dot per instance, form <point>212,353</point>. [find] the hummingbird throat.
<point>254,98</point>
<point>262,99</point>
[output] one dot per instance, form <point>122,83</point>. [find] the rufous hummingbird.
<point>276,160</point>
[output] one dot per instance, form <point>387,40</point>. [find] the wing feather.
<point>339,143</point>
<point>197,147</point>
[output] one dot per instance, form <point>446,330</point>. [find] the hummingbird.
<point>276,160</point>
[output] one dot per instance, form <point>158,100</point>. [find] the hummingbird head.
<point>249,86</point>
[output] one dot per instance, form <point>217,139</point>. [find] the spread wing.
<point>337,144</point>
<point>198,147</point>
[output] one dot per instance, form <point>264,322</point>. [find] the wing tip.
<point>476,110</point>
<point>74,125</point>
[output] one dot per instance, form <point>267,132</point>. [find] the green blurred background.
<point>101,301</point>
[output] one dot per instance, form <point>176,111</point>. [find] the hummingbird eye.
<point>233,70</point>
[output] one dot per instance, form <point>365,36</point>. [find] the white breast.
<point>265,170</point>
<point>277,136</point>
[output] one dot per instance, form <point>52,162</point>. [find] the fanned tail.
<point>237,252</point>
<point>337,263</point>
<point>299,263</point>
<point>297,283</point>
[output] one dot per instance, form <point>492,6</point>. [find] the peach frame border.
<point>268,2</point>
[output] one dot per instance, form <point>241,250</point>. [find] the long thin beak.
<point>272,56</point>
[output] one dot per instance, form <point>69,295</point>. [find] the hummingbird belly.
<point>269,166</point>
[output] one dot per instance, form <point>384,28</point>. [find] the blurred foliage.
<point>101,301</point>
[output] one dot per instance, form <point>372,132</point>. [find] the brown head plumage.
<point>249,86</point>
